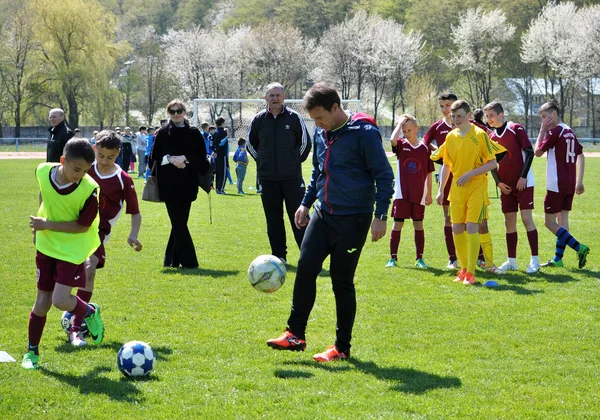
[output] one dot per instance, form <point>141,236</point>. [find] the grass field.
<point>423,346</point>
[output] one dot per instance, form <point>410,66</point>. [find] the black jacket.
<point>179,184</point>
<point>279,145</point>
<point>58,137</point>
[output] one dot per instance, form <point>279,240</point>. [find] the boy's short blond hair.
<point>404,118</point>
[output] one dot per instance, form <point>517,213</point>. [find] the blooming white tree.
<point>478,39</point>
<point>550,41</point>
<point>588,53</point>
<point>283,57</point>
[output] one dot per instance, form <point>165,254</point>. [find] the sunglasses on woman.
<point>176,111</point>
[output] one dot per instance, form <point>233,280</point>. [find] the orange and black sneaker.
<point>329,355</point>
<point>460,275</point>
<point>287,341</point>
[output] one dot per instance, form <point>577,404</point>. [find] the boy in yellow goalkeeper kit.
<point>468,154</point>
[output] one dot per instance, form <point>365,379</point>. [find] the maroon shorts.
<point>51,271</point>
<point>404,209</point>
<point>445,198</point>
<point>555,202</point>
<point>100,253</point>
<point>516,200</point>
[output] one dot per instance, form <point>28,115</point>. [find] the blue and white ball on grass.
<point>266,273</point>
<point>67,320</point>
<point>136,358</point>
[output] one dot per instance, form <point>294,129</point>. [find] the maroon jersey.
<point>437,132</point>
<point>115,189</point>
<point>412,169</point>
<point>562,148</point>
<point>515,140</point>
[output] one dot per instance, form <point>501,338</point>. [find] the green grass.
<point>423,347</point>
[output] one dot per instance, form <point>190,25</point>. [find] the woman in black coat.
<point>180,156</point>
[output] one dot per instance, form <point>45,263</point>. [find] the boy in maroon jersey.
<point>413,186</point>
<point>516,184</point>
<point>564,177</point>
<point>116,187</point>
<point>437,132</point>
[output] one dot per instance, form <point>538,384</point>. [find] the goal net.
<point>238,113</point>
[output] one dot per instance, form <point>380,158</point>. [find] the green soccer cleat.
<point>582,254</point>
<point>30,360</point>
<point>391,263</point>
<point>95,325</point>
<point>553,263</point>
<point>419,263</point>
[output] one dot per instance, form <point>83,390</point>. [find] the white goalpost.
<point>238,113</point>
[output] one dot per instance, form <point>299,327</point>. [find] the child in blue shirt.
<point>149,144</point>
<point>240,157</point>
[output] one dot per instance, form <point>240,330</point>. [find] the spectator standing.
<point>220,141</point>
<point>149,145</point>
<point>240,157</point>
<point>180,157</point>
<point>279,142</point>
<point>127,140</point>
<point>141,151</point>
<point>60,133</point>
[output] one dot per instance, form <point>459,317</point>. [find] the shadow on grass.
<point>518,290</point>
<point>94,382</point>
<point>554,277</point>
<point>292,374</point>
<point>435,271</point>
<point>205,272</point>
<point>293,269</point>
<point>409,381</point>
<point>161,352</point>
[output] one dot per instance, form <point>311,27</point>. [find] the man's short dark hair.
<point>204,125</point>
<point>494,106</point>
<point>79,149</point>
<point>220,121</point>
<point>321,94</point>
<point>447,96</point>
<point>241,141</point>
<point>108,139</point>
<point>163,121</point>
<point>142,127</point>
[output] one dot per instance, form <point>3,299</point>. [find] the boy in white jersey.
<point>65,235</point>
<point>116,188</point>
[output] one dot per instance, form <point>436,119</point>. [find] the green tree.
<point>16,57</point>
<point>77,46</point>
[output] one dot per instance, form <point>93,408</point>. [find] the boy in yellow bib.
<point>468,154</point>
<point>65,235</point>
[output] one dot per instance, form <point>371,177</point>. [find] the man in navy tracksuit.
<point>222,157</point>
<point>351,173</point>
<point>279,142</point>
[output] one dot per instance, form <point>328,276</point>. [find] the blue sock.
<point>565,239</point>
<point>559,250</point>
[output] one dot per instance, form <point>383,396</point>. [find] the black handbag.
<point>150,192</point>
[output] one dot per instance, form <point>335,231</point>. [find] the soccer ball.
<point>266,273</point>
<point>67,320</point>
<point>136,358</point>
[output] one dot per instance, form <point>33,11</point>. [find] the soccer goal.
<point>238,113</point>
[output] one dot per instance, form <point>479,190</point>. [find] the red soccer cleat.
<point>287,341</point>
<point>329,355</point>
<point>460,275</point>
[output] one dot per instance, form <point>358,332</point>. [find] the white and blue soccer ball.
<point>266,273</point>
<point>67,320</point>
<point>136,358</point>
